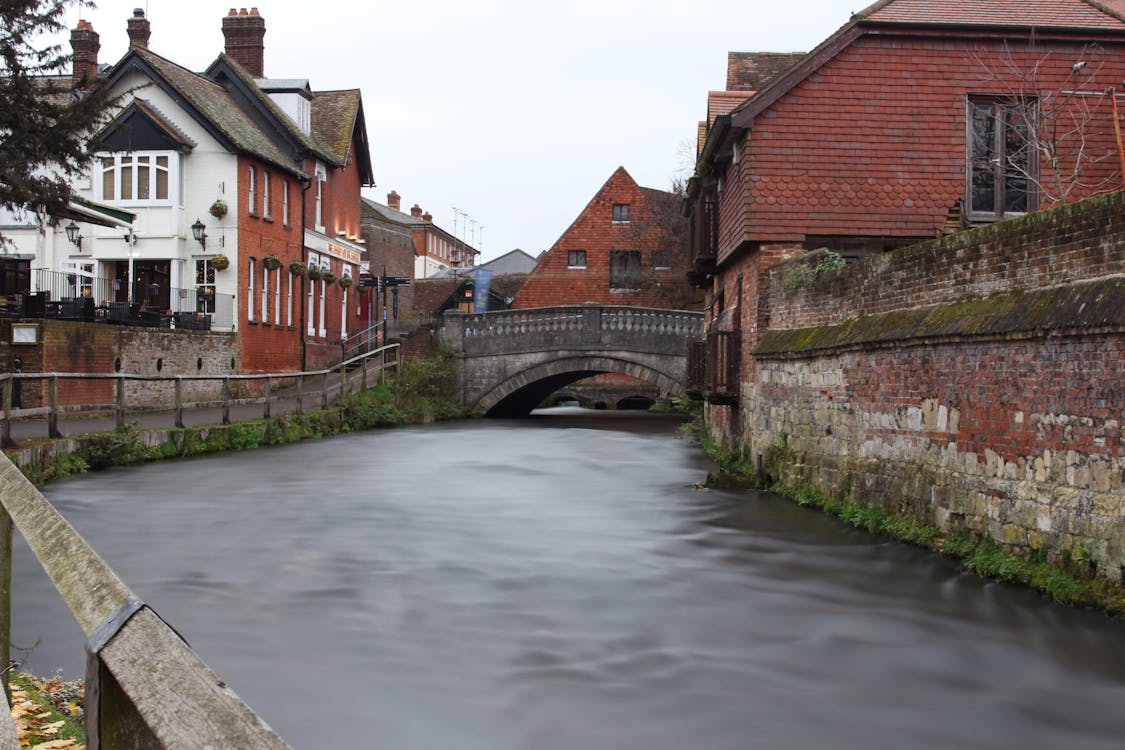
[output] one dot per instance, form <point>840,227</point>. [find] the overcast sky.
<point>515,112</point>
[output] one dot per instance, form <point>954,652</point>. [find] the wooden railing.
<point>145,687</point>
<point>269,389</point>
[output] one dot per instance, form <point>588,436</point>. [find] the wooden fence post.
<point>53,407</point>
<point>324,390</point>
<point>180,401</point>
<point>226,400</point>
<point>120,402</point>
<point>269,389</point>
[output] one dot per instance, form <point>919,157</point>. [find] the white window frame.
<point>321,177</point>
<point>312,307</point>
<point>285,202</point>
<point>265,294</point>
<point>252,191</point>
<point>253,266</point>
<point>289,303</point>
<point>266,212</point>
<point>585,259</point>
<point>277,297</point>
<point>138,159</point>
<point>323,329</point>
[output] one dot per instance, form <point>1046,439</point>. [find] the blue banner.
<point>482,279</point>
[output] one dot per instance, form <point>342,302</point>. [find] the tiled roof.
<point>308,141</point>
<point>215,104</point>
<point>724,102</point>
<point>379,211</point>
<point>752,71</point>
<point>1068,14</point>
<point>333,120</point>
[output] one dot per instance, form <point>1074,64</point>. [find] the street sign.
<point>396,280</point>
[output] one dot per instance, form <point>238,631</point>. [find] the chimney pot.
<point>394,201</point>
<point>428,217</point>
<point>416,211</point>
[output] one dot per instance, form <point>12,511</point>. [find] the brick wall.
<point>1005,420</point>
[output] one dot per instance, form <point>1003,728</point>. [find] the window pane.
<point>984,164</point>
<point>109,174</point>
<point>162,178</point>
<point>127,179</point>
<point>1018,161</point>
<point>624,269</point>
<point>143,186</point>
<point>576,259</point>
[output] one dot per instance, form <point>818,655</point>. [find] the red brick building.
<point>628,246</point>
<point>917,118</point>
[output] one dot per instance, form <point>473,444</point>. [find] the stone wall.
<point>975,382</point>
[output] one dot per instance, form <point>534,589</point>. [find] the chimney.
<point>139,29</point>
<point>85,43</point>
<point>245,35</point>
<point>428,218</point>
<point>394,201</point>
<point>416,211</point>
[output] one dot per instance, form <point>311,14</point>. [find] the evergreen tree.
<point>46,117</point>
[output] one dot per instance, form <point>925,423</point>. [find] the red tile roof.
<point>1068,14</point>
<point>751,71</point>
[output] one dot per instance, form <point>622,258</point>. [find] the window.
<point>312,305</point>
<point>661,260</point>
<point>576,259</point>
<point>321,176</point>
<point>620,213</point>
<point>1001,171</point>
<point>250,291</point>
<point>266,211</point>
<point>277,295</point>
<point>285,202</point>
<point>136,177</point>
<point>204,286</point>
<point>251,190</point>
<point>624,269</point>
<point>289,299</point>
<point>265,294</point>
<point>322,330</point>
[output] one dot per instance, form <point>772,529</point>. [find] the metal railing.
<point>61,286</point>
<point>292,390</point>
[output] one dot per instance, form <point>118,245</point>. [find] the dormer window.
<point>137,177</point>
<point>620,213</point>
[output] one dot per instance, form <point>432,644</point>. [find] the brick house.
<point>628,246</point>
<point>917,118</point>
<point>389,238</point>
<point>232,177</point>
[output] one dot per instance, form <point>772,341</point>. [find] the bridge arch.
<point>522,392</point>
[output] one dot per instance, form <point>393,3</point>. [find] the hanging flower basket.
<point>297,268</point>
<point>271,262</point>
<point>220,262</point>
<point>314,273</point>
<point>218,209</point>
<point>327,276</point>
<point>346,281</point>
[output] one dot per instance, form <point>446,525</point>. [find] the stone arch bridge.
<point>513,359</point>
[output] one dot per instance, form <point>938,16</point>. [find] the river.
<point>562,582</point>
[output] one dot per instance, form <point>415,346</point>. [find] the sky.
<point>502,118</point>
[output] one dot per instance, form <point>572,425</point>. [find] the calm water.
<point>560,582</point>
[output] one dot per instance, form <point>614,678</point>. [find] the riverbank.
<point>423,392</point>
<point>1067,580</point>
<point>47,712</point>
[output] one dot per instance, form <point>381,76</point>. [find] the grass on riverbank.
<point>47,712</point>
<point>1066,581</point>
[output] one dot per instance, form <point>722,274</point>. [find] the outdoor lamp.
<point>73,235</point>
<point>198,233</point>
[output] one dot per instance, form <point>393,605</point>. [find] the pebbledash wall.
<point>976,382</point>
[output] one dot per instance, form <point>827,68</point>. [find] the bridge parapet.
<point>580,327</point>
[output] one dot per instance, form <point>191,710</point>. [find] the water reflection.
<point>559,582</point>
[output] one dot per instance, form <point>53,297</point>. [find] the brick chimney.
<point>416,211</point>
<point>394,201</point>
<point>428,217</point>
<point>245,35</point>
<point>85,43</point>
<point>139,29</point>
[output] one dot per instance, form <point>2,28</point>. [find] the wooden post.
<point>343,378</point>
<point>226,400</point>
<point>6,428</point>
<point>269,389</point>
<point>180,401</point>
<point>120,402</point>
<point>301,393</point>
<point>53,407</point>
<point>5,599</point>
<point>324,390</point>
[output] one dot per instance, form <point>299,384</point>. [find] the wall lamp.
<point>197,231</point>
<point>72,234</point>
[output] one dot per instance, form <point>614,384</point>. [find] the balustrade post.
<point>226,399</point>
<point>591,324</point>
<point>179,401</point>
<point>53,407</point>
<point>6,427</point>
<point>120,420</point>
